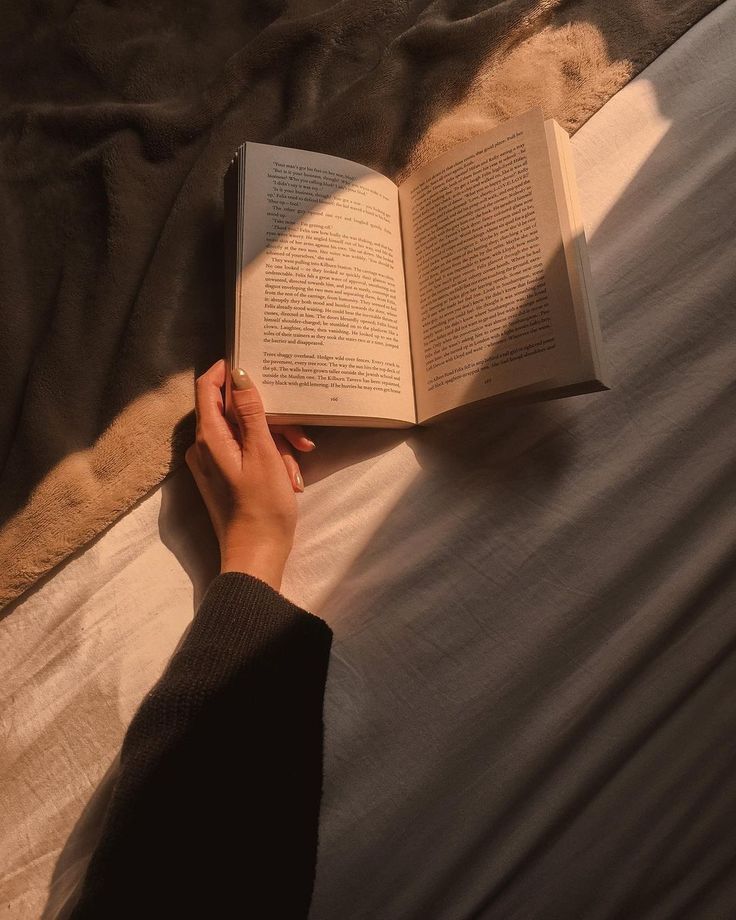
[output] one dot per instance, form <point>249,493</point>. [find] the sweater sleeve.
<point>216,805</point>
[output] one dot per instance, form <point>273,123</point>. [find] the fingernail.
<point>310,443</point>
<point>298,481</point>
<point>241,381</point>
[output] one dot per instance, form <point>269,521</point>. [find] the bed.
<point>531,702</point>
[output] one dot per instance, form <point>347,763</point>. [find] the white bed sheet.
<point>534,614</point>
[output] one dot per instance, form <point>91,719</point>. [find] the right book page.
<point>490,302</point>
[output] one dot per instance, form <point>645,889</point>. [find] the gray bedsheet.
<point>531,708</point>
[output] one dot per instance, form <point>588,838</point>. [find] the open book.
<point>356,302</point>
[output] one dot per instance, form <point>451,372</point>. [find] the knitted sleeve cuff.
<point>240,611</point>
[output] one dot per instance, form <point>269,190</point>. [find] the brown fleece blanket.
<point>117,125</point>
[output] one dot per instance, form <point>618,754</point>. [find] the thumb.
<point>248,408</point>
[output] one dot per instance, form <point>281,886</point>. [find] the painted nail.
<point>298,481</point>
<point>241,381</point>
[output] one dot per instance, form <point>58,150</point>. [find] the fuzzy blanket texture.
<point>117,124</point>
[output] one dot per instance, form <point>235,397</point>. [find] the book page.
<point>490,306</point>
<point>322,302</point>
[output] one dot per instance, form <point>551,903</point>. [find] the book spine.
<point>231,198</point>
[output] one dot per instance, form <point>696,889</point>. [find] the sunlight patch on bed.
<point>600,170</point>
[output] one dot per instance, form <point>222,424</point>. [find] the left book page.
<point>318,299</point>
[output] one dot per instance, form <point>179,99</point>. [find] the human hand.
<point>247,475</point>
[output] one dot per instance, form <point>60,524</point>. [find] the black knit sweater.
<point>215,809</point>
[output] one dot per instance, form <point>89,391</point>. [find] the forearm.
<point>217,801</point>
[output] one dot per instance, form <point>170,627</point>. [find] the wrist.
<point>265,564</point>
